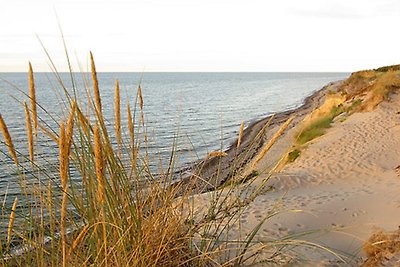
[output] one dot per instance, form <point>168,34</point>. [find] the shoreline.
<point>341,191</point>
<point>214,172</point>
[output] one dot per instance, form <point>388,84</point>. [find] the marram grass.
<point>8,140</point>
<point>116,211</point>
<point>32,96</point>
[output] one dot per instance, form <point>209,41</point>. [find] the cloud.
<point>345,9</point>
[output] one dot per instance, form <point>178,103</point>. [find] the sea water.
<point>200,112</point>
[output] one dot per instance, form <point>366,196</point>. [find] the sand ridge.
<point>346,184</point>
<point>346,181</point>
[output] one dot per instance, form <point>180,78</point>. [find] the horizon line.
<point>182,71</point>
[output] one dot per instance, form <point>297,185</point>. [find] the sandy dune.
<point>346,182</point>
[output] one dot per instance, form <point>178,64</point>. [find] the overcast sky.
<point>203,35</point>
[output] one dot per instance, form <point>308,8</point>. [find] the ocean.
<point>201,111</point>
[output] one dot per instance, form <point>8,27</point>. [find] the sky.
<point>206,35</point>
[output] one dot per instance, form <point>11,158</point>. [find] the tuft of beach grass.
<point>151,220</point>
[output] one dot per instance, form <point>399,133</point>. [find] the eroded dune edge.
<point>334,173</point>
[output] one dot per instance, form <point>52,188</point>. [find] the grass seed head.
<point>7,138</point>
<point>98,151</point>
<point>140,97</point>
<point>96,90</point>
<point>32,96</point>
<point>12,219</point>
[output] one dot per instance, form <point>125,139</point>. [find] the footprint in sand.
<point>359,212</point>
<point>397,170</point>
<point>258,216</point>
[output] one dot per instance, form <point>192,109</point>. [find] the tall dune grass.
<point>120,212</point>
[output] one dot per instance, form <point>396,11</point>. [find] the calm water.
<point>204,109</point>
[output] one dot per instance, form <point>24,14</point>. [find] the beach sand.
<point>344,186</point>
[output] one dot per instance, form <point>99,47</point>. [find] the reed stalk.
<point>98,152</point>
<point>63,157</point>
<point>48,133</point>
<point>271,142</point>
<point>79,239</point>
<point>130,126</point>
<point>83,122</point>
<point>240,134</point>
<point>99,164</point>
<point>70,127</point>
<point>118,116</point>
<point>29,133</point>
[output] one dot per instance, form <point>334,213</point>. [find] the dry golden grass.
<point>95,82</point>
<point>69,128</point>
<point>140,97</point>
<point>8,140</point>
<point>130,127</point>
<point>240,134</point>
<point>372,86</point>
<point>118,116</point>
<point>29,132</point>
<point>64,180</point>
<point>32,96</point>
<point>11,221</point>
<point>381,246</point>
<point>48,133</point>
<point>271,142</point>
<point>83,122</point>
<point>216,154</point>
<point>123,213</point>
<point>98,152</point>
<point>380,89</point>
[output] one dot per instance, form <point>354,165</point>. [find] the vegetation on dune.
<point>388,68</point>
<point>293,155</point>
<point>314,130</point>
<point>362,91</point>
<point>372,86</point>
<point>120,212</point>
<point>382,249</point>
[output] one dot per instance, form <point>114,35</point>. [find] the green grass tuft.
<point>314,130</point>
<point>293,155</point>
